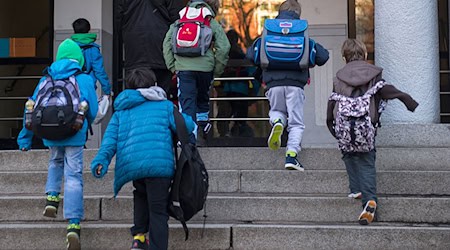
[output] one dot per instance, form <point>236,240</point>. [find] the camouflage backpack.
<point>353,126</point>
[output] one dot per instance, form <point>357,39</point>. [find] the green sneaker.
<point>73,237</point>
<point>274,141</point>
<point>51,206</point>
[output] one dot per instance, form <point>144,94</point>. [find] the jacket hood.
<point>286,14</point>
<point>131,98</point>
<point>198,4</point>
<point>69,49</point>
<point>358,73</point>
<point>64,68</point>
<point>84,38</point>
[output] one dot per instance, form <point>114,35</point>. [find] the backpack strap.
<point>183,136</point>
<point>379,85</point>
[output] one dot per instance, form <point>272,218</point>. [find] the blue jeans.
<point>67,162</point>
<point>193,95</point>
<point>362,174</point>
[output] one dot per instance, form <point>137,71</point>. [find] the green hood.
<point>84,38</point>
<point>70,50</point>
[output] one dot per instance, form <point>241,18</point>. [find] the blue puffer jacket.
<point>63,69</point>
<point>140,134</point>
<point>297,78</point>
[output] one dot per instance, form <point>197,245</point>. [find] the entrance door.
<point>26,48</point>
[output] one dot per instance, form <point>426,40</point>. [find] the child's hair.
<point>214,4</point>
<point>291,5</point>
<point>140,78</point>
<point>81,25</point>
<point>353,50</point>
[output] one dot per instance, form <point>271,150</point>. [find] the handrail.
<point>20,78</point>
<point>221,119</point>
<point>215,99</point>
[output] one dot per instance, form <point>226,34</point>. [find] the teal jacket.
<point>93,59</point>
<point>214,60</point>
<point>140,135</point>
<point>63,69</point>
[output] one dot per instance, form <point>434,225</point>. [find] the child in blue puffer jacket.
<point>140,133</point>
<point>91,52</point>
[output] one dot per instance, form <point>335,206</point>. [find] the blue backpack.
<point>284,45</point>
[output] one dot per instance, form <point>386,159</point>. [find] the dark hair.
<point>140,78</point>
<point>233,36</point>
<point>81,25</point>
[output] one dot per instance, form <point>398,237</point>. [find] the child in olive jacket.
<point>195,74</point>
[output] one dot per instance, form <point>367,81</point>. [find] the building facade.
<point>409,38</point>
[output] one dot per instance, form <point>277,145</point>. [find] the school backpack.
<point>353,126</point>
<point>189,187</point>
<point>193,34</point>
<point>284,45</point>
<point>56,108</point>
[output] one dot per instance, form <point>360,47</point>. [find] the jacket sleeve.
<point>99,70</point>
<point>322,55</point>
<point>88,94</point>
<point>221,46</point>
<point>167,50</point>
<point>109,144</point>
<point>190,125</point>
<point>389,92</point>
<point>25,137</point>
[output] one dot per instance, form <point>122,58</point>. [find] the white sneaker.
<point>355,195</point>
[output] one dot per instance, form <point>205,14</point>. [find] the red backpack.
<point>193,34</point>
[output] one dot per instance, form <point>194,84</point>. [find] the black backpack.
<point>189,187</point>
<point>56,108</point>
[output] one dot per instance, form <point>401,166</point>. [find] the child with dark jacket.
<point>140,135</point>
<point>354,80</point>
<point>195,74</point>
<point>66,155</point>
<point>287,97</point>
<point>91,52</point>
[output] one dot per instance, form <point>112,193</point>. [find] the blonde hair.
<point>353,50</point>
<point>291,5</point>
<point>214,4</point>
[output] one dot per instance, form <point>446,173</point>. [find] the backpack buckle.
<point>61,116</point>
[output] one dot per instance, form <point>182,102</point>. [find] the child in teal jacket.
<point>140,135</point>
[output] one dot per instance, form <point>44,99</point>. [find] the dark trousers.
<point>193,95</point>
<point>362,174</point>
<point>150,210</point>
<point>164,79</point>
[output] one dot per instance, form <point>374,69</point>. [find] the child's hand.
<point>24,149</point>
<point>99,171</point>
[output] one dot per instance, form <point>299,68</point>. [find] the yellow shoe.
<point>274,141</point>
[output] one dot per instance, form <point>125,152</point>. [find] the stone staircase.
<point>253,203</point>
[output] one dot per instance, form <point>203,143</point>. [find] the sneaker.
<point>51,206</point>
<point>292,163</point>
<point>367,215</point>
<point>205,126</point>
<point>355,195</point>
<point>274,141</point>
<point>138,245</point>
<point>73,237</point>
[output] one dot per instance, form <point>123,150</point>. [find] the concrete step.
<point>339,237</point>
<point>107,236</point>
<point>428,159</point>
<point>236,236</point>
<point>258,181</point>
<point>246,208</point>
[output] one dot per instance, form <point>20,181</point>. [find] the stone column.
<point>407,47</point>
